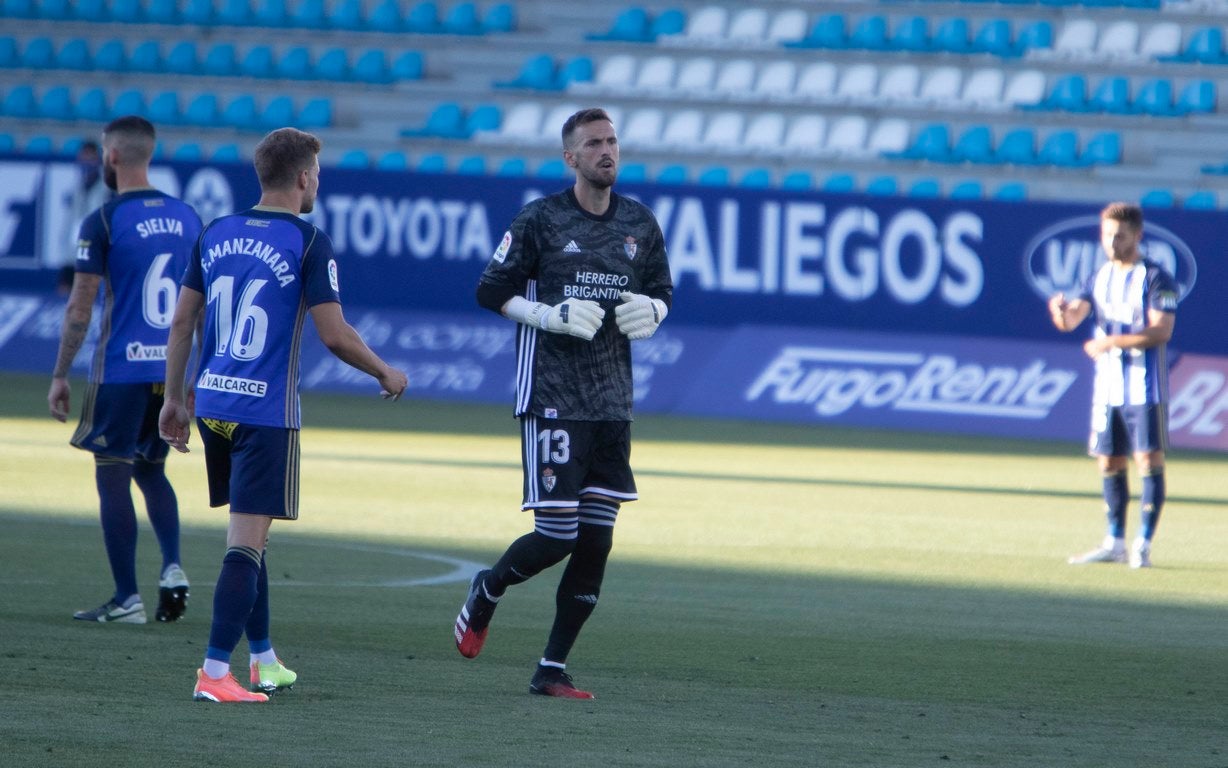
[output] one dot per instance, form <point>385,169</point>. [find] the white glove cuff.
<point>526,312</point>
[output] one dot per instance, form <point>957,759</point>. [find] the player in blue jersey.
<point>256,275</point>
<point>584,272</point>
<point>133,249</point>
<point>1133,303</point>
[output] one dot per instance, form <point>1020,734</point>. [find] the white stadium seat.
<point>900,83</point>
<point>858,83</point>
<point>656,75</point>
<point>983,88</point>
<point>941,85</point>
<point>683,128</point>
<point>695,76</point>
<point>847,135</point>
<point>765,133</point>
<point>643,128</point>
<point>775,80</point>
<point>805,136</point>
<point>748,25</point>
<point>787,26</point>
<point>736,78</point>
<point>724,131</point>
<point>816,82</point>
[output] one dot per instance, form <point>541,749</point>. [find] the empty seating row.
<point>1122,39</point>
<point>1148,4</point>
<point>1018,146</point>
<point>994,36</point>
<point>41,144</point>
<point>638,25</point>
<point>1205,46</point>
<point>164,108</point>
<point>423,17</point>
<point>449,120</point>
<point>370,65</point>
<point>819,82</point>
<point>1154,97</point>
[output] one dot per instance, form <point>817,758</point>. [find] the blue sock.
<point>162,507</point>
<point>118,517</point>
<point>233,600</point>
<point>1152,501</point>
<point>258,622</point>
<point>1116,497</point>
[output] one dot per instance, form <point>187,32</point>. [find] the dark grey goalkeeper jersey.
<point>556,250</point>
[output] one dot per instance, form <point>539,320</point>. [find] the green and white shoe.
<point>271,678</point>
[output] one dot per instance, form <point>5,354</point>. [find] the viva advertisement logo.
<point>1062,256</point>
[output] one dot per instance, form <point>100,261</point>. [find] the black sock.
<point>579,589</point>
<point>527,556</point>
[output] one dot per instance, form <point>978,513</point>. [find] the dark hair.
<point>282,155</point>
<point>583,117</point>
<point>132,136</point>
<point>1126,213</point>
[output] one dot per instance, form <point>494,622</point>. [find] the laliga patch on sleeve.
<point>504,247</point>
<point>332,275</point>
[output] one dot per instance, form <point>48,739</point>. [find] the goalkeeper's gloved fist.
<point>638,316</point>
<point>576,317</point>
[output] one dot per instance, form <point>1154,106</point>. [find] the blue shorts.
<point>565,459</point>
<point>1122,430</point>
<point>120,421</point>
<point>253,469</point>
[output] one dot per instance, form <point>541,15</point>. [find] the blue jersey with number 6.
<point>139,243</point>
<point>260,271</point>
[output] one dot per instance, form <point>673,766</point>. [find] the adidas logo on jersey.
<point>571,247</point>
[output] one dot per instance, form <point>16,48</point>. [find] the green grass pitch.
<point>781,596</point>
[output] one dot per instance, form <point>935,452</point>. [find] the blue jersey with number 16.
<point>260,271</point>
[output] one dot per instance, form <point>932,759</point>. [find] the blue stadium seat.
<point>828,31</point>
<point>129,102</point>
<point>967,190</point>
<point>633,173</point>
<point>1012,190</point>
<point>952,36</point>
<point>462,19</point>
<point>671,21</point>
<point>56,104</point>
<point>110,56</point>
<point>18,9</point>
<point>71,145</point>
<point>39,53</point>
<point>1155,98</point>
<point>1205,46</point>
<point>1069,94</point>
<point>386,17</point>
<point>8,52</point>
<point>883,186</point>
<point>270,13</point>
<point>164,108</point>
<point>202,111</point>
<point>1035,36</point>
<point>198,12</point>
<point>471,165</point>
<point>1018,147</point>
<point>1158,198</point>
<point>423,19</point>
<point>333,65</point>
<point>392,161</point>
<point>840,182</point>
<point>96,10</point>
<point>932,142</point>
<point>925,187</point>
<point>797,180</point>
<point>714,176</point>
<point>975,145</point>
<point>92,106</point>
<point>372,67</point>
<point>869,34</point>
<point>162,12</point>
<point>39,145</point>
<point>278,112</point>
<point>308,14</point>
<point>1112,95</point>
<point>1060,148</point>
<point>123,11</point>
<point>630,26</point>
<point>755,178</point>
<point>483,118</point>
<point>994,38</point>
<point>316,113</point>
<point>257,62</point>
<point>227,153</point>
<point>1203,200</point>
<point>295,64</point>
<point>500,18</point>
<point>7,143</point>
<point>346,15</point>
<point>240,112</point>
<point>146,57</point>
<point>182,59</point>
<point>220,61</point>
<point>354,158</point>
<point>1197,97</point>
<point>446,121</point>
<point>671,174</point>
<point>513,166</point>
<point>432,163</point>
<point>537,73</point>
<point>578,70</point>
<point>74,54</point>
<point>911,34</point>
<point>1103,149</point>
<point>189,151</point>
<point>408,66</point>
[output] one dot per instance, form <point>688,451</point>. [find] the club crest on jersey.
<point>504,247</point>
<point>548,479</point>
<point>332,276</point>
<point>629,247</point>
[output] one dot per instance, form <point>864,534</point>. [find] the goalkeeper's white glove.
<point>575,317</point>
<point>638,316</point>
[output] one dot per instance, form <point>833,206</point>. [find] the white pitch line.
<point>462,570</point>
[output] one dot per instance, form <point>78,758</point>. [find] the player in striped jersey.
<point>133,249</point>
<point>256,275</point>
<point>1133,303</point>
<point>584,272</point>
